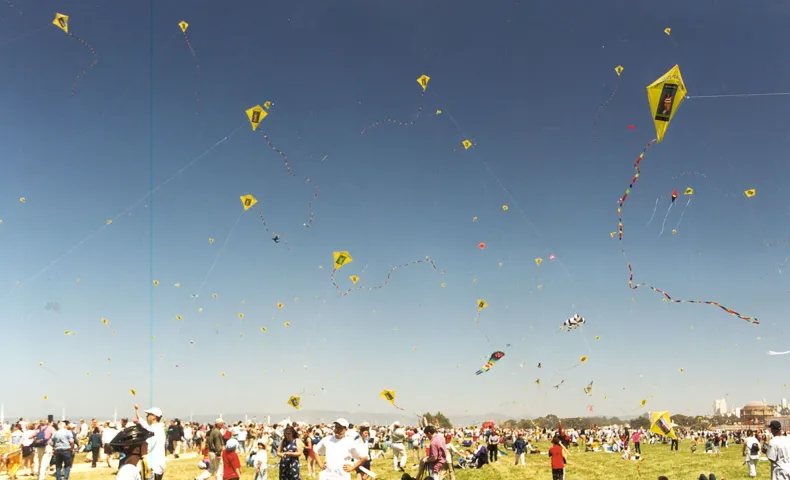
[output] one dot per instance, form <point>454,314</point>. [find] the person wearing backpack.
<point>751,450</point>
<point>43,449</point>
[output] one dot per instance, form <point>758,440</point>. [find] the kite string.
<point>216,258</point>
<point>122,213</point>
<point>664,223</point>
<point>683,212</point>
<point>655,207</point>
<point>741,95</point>
<point>601,107</point>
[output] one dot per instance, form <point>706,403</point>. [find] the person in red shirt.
<point>557,456</point>
<point>231,467</point>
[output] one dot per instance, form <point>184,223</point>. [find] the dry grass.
<point>658,460</point>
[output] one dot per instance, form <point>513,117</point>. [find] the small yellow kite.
<point>481,304</point>
<point>341,258</point>
<point>256,115</point>
<point>689,191</point>
<point>248,201</point>
<point>467,144</point>
<point>423,81</point>
<point>618,69</point>
<point>750,193</point>
<point>665,96</point>
<point>354,279</point>
<point>295,402</point>
<point>183,26</point>
<point>62,22</point>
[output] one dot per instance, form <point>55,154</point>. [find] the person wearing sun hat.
<point>339,451</point>
<point>778,452</point>
<point>156,443</point>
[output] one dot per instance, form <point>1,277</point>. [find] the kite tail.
<point>683,213</point>
<point>396,121</point>
<point>655,207</point>
<point>631,284</point>
<point>664,223</point>
<point>600,109</point>
<point>84,71</point>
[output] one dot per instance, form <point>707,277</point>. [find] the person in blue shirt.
<point>63,444</point>
<point>519,447</point>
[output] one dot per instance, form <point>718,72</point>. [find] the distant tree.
<point>642,421</point>
<point>438,419</point>
<point>442,420</point>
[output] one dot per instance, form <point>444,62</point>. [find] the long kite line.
<point>631,284</point>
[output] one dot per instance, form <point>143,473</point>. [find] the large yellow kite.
<point>665,96</point>
<point>661,424</point>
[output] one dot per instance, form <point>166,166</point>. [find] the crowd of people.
<point>340,450</point>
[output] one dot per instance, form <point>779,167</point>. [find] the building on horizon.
<point>720,407</point>
<point>784,403</point>
<point>757,413</point>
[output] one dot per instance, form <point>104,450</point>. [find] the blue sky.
<point>522,79</point>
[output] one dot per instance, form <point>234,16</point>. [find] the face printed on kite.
<point>664,109</point>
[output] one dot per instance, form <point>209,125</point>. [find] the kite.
<point>276,237</point>
<point>423,81</point>
<point>248,201</point>
<point>750,193</point>
<point>184,26</point>
<point>295,402</point>
<point>481,304</point>
<point>671,204</point>
<point>573,322</point>
<point>343,258</point>
<point>688,193</point>
<point>588,389</point>
<point>663,96</point>
<point>256,115</point>
<point>618,70</point>
<point>467,144</point>
<point>62,22</point>
<point>661,424</point>
<point>495,357</point>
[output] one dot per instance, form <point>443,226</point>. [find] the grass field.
<point>658,460</point>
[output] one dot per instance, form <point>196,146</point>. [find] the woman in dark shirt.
<point>95,444</point>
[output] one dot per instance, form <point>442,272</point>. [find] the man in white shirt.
<point>779,452</point>
<point>339,451</point>
<point>397,437</point>
<point>156,444</point>
<point>751,450</point>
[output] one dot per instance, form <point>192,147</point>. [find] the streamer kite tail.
<point>771,352</point>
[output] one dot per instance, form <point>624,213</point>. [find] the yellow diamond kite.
<point>481,304</point>
<point>62,22</point>
<point>618,69</point>
<point>667,30</point>
<point>423,81</point>
<point>183,26</point>
<point>295,402</point>
<point>248,201</point>
<point>256,115</point>
<point>267,105</point>
<point>750,193</point>
<point>466,144</point>
<point>661,424</point>
<point>689,191</point>
<point>665,96</point>
<point>354,279</point>
<point>341,258</point>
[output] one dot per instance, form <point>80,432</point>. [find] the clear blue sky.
<point>522,79</point>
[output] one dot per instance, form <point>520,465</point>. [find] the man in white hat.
<point>397,437</point>
<point>156,443</point>
<point>341,452</point>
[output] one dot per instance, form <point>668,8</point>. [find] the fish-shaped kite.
<point>495,357</point>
